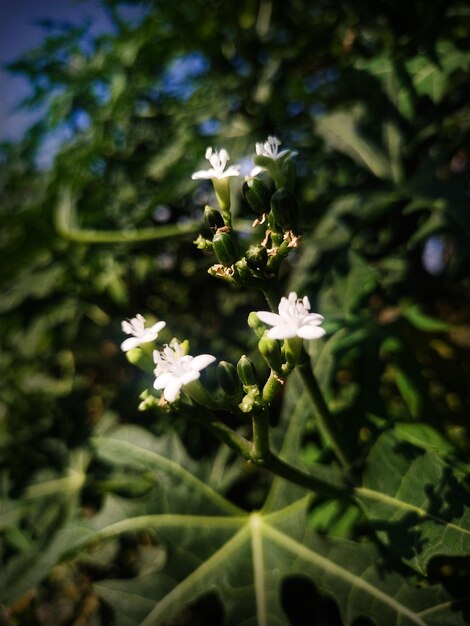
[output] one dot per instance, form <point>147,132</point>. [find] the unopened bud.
<point>257,257</point>
<point>243,270</point>
<point>292,348</point>
<point>142,358</point>
<point>290,172</point>
<point>256,324</point>
<point>203,244</point>
<point>213,218</point>
<point>227,378</point>
<point>225,247</point>
<point>257,195</point>
<point>284,209</point>
<point>251,402</point>
<point>246,371</point>
<point>271,351</point>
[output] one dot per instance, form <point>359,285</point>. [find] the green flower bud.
<point>271,351</point>
<point>203,244</point>
<point>225,247</point>
<point>213,218</point>
<point>290,172</point>
<point>148,401</point>
<point>252,401</point>
<point>257,257</point>
<point>292,348</point>
<point>184,345</point>
<point>284,209</point>
<point>246,371</point>
<point>227,378</point>
<point>243,270</point>
<point>257,195</point>
<point>198,393</point>
<point>142,358</point>
<point>246,405</point>
<point>256,324</point>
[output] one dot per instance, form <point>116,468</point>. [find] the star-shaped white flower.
<point>174,369</point>
<point>218,159</point>
<point>294,319</point>
<point>140,334</point>
<point>269,149</point>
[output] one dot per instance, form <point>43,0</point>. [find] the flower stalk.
<point>324,419</point>
<point>260,424</point>
<point>267,459</point>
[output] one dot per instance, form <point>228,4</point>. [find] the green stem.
<point>234,440</point>
<point>65,222</point>
<point>260,422</point>
<point>299,477</point>
<point>325,421</point>
<point>268,460</point>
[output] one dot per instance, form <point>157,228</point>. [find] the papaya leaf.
<point>416,501</point>
<point>244,558</point>
<point>430,78</point>
<point>424,436</point>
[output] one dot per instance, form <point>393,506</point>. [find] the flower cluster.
<point>219,159</point>
<point>173,367</point>
<point>277,209</point>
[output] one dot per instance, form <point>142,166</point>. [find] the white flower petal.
<point>126,327</point>
<point>172,390</point>
<point>310,332</point>
<point>203,174</point>
<point>273,319</point>
<point>284,331</point>
<point>188,377</point>
<point>129,343</point>
<point>233,170</point>
<point>314,318</point>
<point>202,361</point>
<point>255,171</point>
<point>156,328</point>
<point>162,380</point>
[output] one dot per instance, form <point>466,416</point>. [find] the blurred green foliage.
<point>372,96</point>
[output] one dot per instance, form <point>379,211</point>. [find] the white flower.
<point>136,327</point>
<point>294,319</point>
<point>270,149</point>
<point>218,159</point>
<point>174,369</point>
